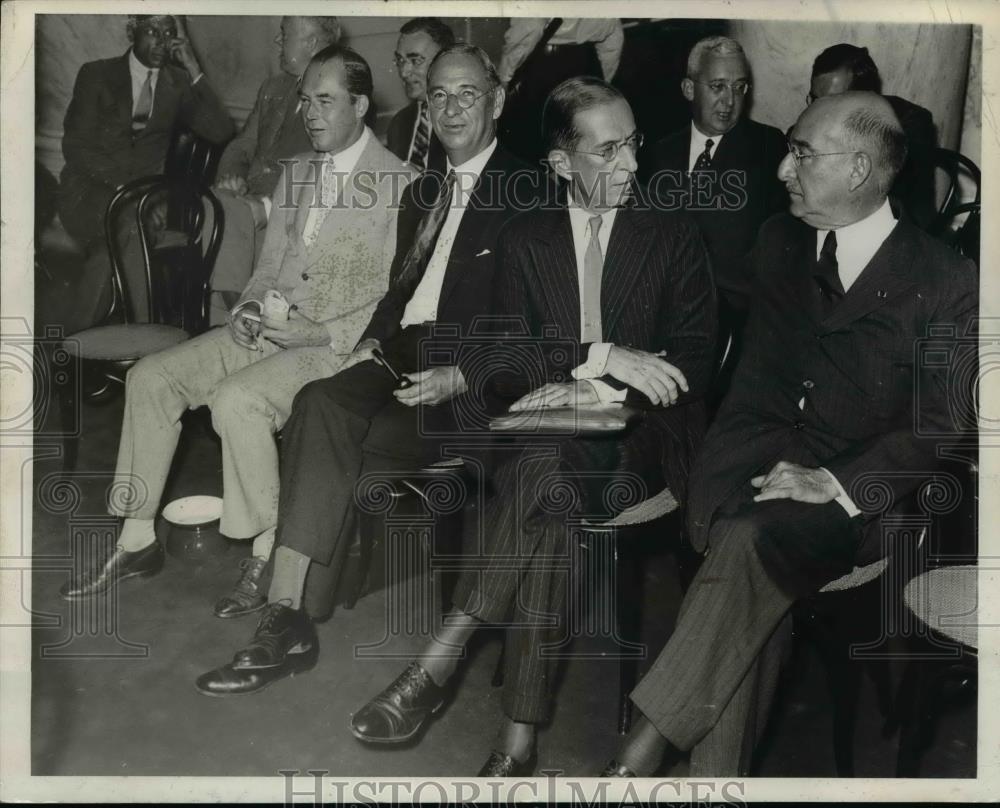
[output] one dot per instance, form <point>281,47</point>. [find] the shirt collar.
<point>581,218</point>
<point>864,236</point>
<point>344,161</point>
<point>698,139</point>
<point>138,69</point>
<point>467,173</point>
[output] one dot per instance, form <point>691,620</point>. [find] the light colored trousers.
<point>250,394</point>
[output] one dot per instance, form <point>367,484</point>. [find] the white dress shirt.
<point>331,184</point>
<point>597,356</point>
<point>856,245</point>
<point>423,306</point>
<point>698,139</point>
<point>524,33</point>
<point>139,71</point>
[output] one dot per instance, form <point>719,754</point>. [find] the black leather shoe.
<point>616,769</point>
<point>230,681</point>
<point>499,764</point>
<point>397,713</point>
<point>246,597</point>
<point>280,631</point>
<point>120,565</point>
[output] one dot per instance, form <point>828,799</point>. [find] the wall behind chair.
<point>236,53</point>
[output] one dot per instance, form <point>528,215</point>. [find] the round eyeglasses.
<point>157,33</point>
<point>464,98</point>
<point>798,156</point>
<point>610,151</point>
<point>412,61</point>
<point>719,87</point>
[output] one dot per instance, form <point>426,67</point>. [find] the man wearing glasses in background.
<point>118,128</point>
<point>627,291</point>
<point>722,168</point>
<point>411,137</point>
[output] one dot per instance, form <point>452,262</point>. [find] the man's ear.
<point>861,170</point>
<point>361,106</point>
<point>559,160</point>
<point>687,89</point>
<point>499,97</point>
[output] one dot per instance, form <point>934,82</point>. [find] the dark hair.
<point>433,27</point>
<point>358,74</point>
<point>855,60</point>
<point>564,102</point>
<point>465,49</point>
<point>883,138</point>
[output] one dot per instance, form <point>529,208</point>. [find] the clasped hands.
<point>792,481</point>
<point>298,331</point>
<point>649,373</point>
<point>434,386</point>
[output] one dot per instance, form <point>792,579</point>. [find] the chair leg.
<point>628,611</point>
<point>912,730</point>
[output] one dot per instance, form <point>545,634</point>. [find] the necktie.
<point>427,233</point>
<point>327,197</point>
<point>421,138</point>
<point>704,161</point>
<point>143,105</point>
<point>827,275</point>
<point>593,270</point>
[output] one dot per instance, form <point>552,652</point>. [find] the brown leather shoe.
<point>120,565</point>
<point>399,712</point>
<point>246,597</point>
<point>281,631</point>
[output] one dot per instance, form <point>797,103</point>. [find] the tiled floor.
<point>117,696</point>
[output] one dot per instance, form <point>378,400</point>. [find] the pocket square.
<point>484,252</point>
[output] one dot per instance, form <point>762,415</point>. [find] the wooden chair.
<point>963,234</point>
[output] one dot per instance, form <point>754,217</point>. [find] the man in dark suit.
<point>411,137</point>
<point>357,421</point>
<point>627,289</point>
<point>816,438</point>
<point>723,166</point>
<point>117,128</point>
<point>249,167</point>
<point>847,67</point>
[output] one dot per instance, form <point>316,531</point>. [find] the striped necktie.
<point>421,137</point>
<point>143,105</point>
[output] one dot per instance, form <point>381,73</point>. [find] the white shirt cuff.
<point>842,499</point>
<point>597,361</point>
<point>266,202</point>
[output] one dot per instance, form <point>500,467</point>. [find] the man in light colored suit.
<point>329,245</point>
<point>250,165</point>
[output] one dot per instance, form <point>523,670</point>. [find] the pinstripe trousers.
<point>710,689</point>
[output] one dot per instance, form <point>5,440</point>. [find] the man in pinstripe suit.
<point>631,290</point>
<point>820,413</point>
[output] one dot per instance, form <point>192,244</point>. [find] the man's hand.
<point>182,52</point>
<point>557,395</point>
<point>244,332</point>
<point>233,183</point>
<point>360,354</point>
<point>432,386</point>
<point>648,373</point>
<point>792,481</point>
<point>298,331</point>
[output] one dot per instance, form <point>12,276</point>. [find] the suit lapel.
<point>164,101</point>
<point>631,239</point>
<point>120,80</point>
<point>288,113</point>
<point>882,280</point>
<point>555,265</point>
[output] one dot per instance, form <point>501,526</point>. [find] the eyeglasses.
<point>412,61</point>
<point>610,151</point>
<point>464,98</point>
<point>798,155</point>
<point>719,87</point>
<point>158,34</point>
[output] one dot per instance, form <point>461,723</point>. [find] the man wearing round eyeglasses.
<point>833,421</point>
<point>722,167</point>
<point>118,128</point>
<point>250,166</point>
<point>410,136</point>
<point>629,288</point>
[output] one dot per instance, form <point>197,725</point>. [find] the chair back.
<point>190,158</point>
<point>961,234</point>
<point>178,268</point>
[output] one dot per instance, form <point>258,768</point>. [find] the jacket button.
<point>799,425</point>
<point>808,384</point>
<point>305,276</point>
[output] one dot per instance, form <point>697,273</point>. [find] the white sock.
<point>263,543</point>
<point>137,534</point>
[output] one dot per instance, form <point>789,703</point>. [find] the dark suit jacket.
<point>914,186</point>
<point>740,193</point>
<point>401,132</point>
<point>272,132</point>
<point>505,186</point>
<point>101,151</point>
<point>858,370</point>
<point>656,295</point>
